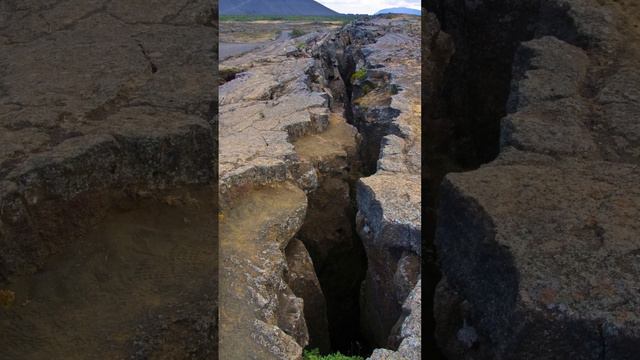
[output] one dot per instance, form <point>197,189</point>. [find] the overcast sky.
<point>367,6</point>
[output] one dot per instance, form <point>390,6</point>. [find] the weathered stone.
<point>410,334</point>
<point>269,288</point>
<point>108,108</point>
<point>547,260</point>
<point>304,283</point>
<point>389,201</point>
<point>258,124</point>
<point>282,121</point>
<point>260,315</point>
<point>536,247</point>
<point>76,117</point>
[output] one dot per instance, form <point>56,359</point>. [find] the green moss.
<point>359,75</point>
<point>314,354</point>
<point>300,46</point>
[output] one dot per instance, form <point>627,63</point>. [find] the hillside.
<point>275,7</point>
<point>399,10</point>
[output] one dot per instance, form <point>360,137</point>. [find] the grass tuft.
<point>314,354</point>
<point>359,75</point>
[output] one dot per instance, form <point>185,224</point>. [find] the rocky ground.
<point>239,37</point>
<point>261,112</point>
<point>107,116</point>
<point>539,247</point>
<point>387,110</point>
<point>297,122</point>
<point>268,30</point>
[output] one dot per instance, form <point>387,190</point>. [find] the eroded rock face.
<point>410,330</point>
<point>266,108</point>
<point>92,99</point>
<point>537,248</point>
<point>107,115</point>
<point>268,285</point>
<point>304,283</point>
<point>259,314</point>
<point>284,121</point>
<point>386,109</point>
<point>328,231</point>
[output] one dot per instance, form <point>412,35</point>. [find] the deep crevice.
<point>464,108</point>
<point>469,99</point>
<point>329,231</point>
<point>332,208</point>
<point>341,269</point>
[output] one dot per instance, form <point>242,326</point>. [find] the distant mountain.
<point>274,8</point>
<point>400,10</point>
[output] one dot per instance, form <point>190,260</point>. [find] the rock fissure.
<point>364,87</point>
<point>383,104</point>
<point>531,113</point>
<point>152,66</point>
<point>310,116</point>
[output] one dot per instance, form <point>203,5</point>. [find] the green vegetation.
<point>359,75</point>
<point>341,18</point>
<point>301,46</point>
<point>314,354</point>
<point>297,32</point>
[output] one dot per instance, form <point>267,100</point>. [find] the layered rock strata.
<point>107,107</point>
<point>328,231</point>
<point>538,248</point>
<point>263,204</point>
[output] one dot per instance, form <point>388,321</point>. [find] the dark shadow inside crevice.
<point>461,121</point>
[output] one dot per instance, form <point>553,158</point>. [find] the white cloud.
<point>367,6</point>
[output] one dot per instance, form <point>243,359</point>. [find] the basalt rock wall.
<point>537,247</point>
